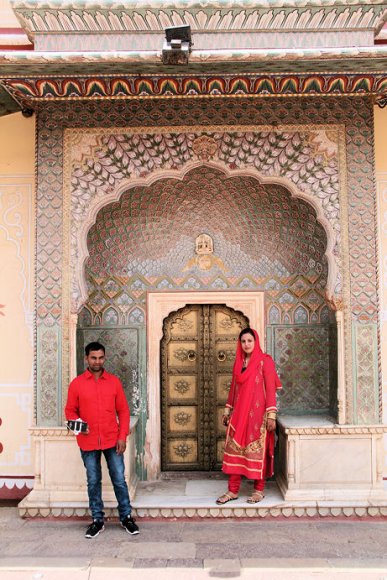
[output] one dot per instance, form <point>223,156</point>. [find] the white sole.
<point>130,533</point>
<point>97,534</point>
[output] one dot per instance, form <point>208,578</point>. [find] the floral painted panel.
<point>302,355</point>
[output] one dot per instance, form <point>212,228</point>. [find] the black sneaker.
<point>130,526</point>
<point>94,529</point>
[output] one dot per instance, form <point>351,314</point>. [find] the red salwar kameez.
<point>249,447</point>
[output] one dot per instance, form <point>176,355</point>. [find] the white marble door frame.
<point>160,305</point>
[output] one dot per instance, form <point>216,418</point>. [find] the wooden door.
<point>197,356</point>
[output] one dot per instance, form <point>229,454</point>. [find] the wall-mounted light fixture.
<point>177,45</point>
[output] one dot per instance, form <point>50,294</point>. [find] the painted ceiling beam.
<point>108,49</point>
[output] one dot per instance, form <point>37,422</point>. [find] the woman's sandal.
<point>256,497</point>
<point>226,497</point>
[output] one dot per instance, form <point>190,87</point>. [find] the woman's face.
<point>247,342</point>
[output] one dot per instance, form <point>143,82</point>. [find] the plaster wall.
<point>17,158</point>
<point>7,15</point>
<point>381,188</point>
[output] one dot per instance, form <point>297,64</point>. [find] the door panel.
<point>197,356</point>
<point>226,325</point>
<point>181,387</point>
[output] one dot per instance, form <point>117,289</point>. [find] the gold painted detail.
<point>184,324</point>
<point>336,304</point>
<point>226,323</point>
<point>226,355</point>
<point>325,142</point>
<point>205,258</point>
<point>183,354</point>
<point>182,449</point>
<point>181,387</point>
<point>226,385</point>
<point>204,147</point>
<point>182,418</point>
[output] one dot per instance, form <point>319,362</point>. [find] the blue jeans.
<point>115,463</point>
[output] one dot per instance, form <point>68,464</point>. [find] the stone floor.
<point>185,535</point>
<point>179,549</point>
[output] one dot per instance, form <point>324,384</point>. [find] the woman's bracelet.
<point>227,412</point>
<point>272,415</point>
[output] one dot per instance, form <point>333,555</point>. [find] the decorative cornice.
<point>246,15</point>
<point>266,55</point>
<point>129,87</point>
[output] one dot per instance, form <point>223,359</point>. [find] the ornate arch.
<point>90,218</point>
<point>101,164</point>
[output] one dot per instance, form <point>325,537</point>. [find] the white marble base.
<point>197,499</point>
<point>322,461</point>
<point>60,480</point>
<point>325,470</point>
<point>186,498</point>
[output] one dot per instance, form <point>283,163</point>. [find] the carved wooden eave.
<point>112,50</point>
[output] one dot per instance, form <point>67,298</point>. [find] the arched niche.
<point>120,215</point>
<point>78,267</point>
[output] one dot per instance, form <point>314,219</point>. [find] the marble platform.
<point>60,488</point>
<point>324,469</point>
<point>183,497</point>
<point>195,498</point>
<point>321,460</point>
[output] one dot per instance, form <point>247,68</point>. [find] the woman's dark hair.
<point>246,331</point>
<point>94,346</point>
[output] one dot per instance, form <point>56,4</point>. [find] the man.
<point>97,398</point>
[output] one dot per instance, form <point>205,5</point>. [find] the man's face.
<point>95,360</point>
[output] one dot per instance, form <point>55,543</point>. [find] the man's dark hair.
<point>94,346</point>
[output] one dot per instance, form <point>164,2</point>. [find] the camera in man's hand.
<point>77,426</point>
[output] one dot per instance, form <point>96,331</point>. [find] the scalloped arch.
<point>78,271</point>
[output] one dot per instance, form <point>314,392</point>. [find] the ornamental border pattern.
<point>314,511</point>
<point>346,293</point>
<point>154,86</point>
<point>279,15</point>
<point>69,320</point>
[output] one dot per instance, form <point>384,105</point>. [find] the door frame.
<point>159,306</point>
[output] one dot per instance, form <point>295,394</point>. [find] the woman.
<point>250,415</point>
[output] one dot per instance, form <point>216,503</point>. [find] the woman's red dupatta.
<point>245,412</point>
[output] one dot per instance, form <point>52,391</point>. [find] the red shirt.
<point>99,402</point>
